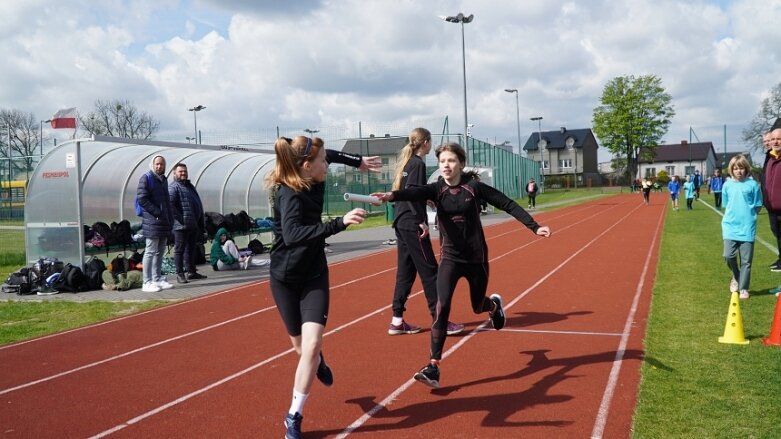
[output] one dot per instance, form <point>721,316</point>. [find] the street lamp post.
<point>460,18</point>
<point>540,145</point>
<point>517,115</point>
<point>196,109</point>
<point>40,143</point>
<point>570,142</point>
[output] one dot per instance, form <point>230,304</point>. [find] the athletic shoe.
<point>181,278</point>
<point>776,268</point>
<point>429,375</point>
<point>454,328</point>
<point>164,284</point>
<point>195,275</point>
<point>150,287</point>
<point>403,328</point>
<point>324,373</point>
<point>776,263</point>
<point>733,286</point>
<point>497,316</point>
<point>744,294</point>
<point>293,425</point>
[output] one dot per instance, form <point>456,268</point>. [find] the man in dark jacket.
<point>771,187</point>
<point>188,225</point>
<point>155,224</point>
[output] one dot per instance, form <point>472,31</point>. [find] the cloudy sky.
<point>389,64</point>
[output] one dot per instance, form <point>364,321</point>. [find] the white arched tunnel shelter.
<point>83,181</point>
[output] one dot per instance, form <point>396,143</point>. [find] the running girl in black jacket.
<point>299,270</point>
<point>464,250</point>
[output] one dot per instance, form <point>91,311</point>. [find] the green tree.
<point>769,111</point>
<point>633,115</point>
<point>119,118</point>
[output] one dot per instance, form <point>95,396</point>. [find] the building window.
<point>357,177</point>
<point>384,161</point>
<point>670,170</point>
<point>689,170</point>
<point>544,164</point>
<point>650,172</point>
<point>565,163</point>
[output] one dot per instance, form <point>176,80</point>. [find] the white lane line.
<point>395,394</point>
<point>366,316</point>
<point>607,396</point>
<point>544,331</point>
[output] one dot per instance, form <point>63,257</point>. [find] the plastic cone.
<point>774,339</point>
<point>733,330</point>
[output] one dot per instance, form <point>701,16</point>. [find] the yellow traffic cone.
<point>733,330</point>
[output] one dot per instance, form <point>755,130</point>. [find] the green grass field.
<point>691,386</point>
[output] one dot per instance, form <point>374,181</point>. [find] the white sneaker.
<point>744,294</point>
<point>247,262</point>
<point>150,287</point>
<point>164,285</point>
<point>733,286</point>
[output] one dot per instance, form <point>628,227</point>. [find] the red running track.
<point>566,365</point>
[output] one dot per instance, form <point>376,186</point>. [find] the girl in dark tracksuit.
<point>464,250</point>
<point>414,252</point>
<point>299,270</point>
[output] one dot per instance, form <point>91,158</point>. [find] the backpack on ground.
<point>93,271</point>
<point>256,247</point>
<point>18,282</point>
<point>149,185</point>
<point>71,279</point>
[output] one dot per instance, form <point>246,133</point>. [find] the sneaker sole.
<point>455,332</point>
<point>501,307</point>
<point>400,332</point>
<point>425,380</point>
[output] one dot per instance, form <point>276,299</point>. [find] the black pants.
<point>447,277</point>
<point>184,249</point>
<point>414,257</point>
<point>533,200</point>
<point>689,202</point>
<point>717,199</point>
<point>775,226</point>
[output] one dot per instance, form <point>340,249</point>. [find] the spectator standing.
<point>697,181</point>
<point>771,188</point>
<point>156,223</point>
<point>714,185</point>
<point>674,186</point>
<point>688,191</point>
<point>414,253</point>
<point>189,224</point>
<point>743,201</point>
<point>531,191</point>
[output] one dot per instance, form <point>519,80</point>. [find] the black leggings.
<point>300,302</point>
<point>533,200</point>
<point>414,257</point>
<point>447,278</point>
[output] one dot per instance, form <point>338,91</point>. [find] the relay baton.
<point>357,198</point>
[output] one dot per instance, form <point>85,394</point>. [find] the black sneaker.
<point>181,278</point>
<point>196,275</point>
<point>293,425</point>
<point>429,375</point>
<point>324,373</point>
<point>497,316</point>
<point>776,263</point>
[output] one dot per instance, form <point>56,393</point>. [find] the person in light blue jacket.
<point>714,185</point>
<point>742,202</point>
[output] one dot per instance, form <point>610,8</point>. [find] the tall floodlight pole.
<point>195,110</point>
<point>517,115</point>
<point>460,18</point>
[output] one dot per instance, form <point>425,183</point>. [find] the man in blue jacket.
<point>155,224</point>
<point>189,224</point>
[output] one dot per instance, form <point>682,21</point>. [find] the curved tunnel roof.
<point>87,180</point>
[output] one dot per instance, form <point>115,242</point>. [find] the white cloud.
<point>258,65</point>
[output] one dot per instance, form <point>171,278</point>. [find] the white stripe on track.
<point>607,396</point>
<point>542,331</point>
<point>394,395</point>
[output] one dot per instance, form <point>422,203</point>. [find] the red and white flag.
<point>65,118</point>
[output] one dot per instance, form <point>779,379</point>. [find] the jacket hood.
<point>152,162</point>
<point>221,231</point>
